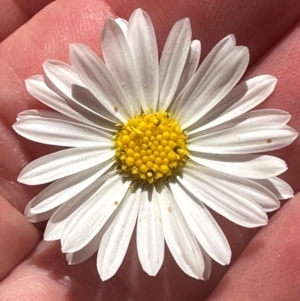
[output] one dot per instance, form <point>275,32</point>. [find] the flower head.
<point>151,144</point>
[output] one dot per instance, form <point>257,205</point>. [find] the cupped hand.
<point>30,269</point>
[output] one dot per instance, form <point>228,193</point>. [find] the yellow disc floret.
<point>151,147</point>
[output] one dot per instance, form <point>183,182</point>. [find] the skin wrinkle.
<point>43,275</point>
<point>9,170</point>
<point>171,282</point>
<point>16,234</point>
<point>12,192</point>
<point>16,84</point>
<point>14,13</point>
<point>10,11</point>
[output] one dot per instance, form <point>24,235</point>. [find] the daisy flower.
<point>150,146</point>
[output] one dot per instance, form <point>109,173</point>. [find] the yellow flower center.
<point>151,147</point>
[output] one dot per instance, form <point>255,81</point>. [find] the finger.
<point>13,14</point>
<point>18,237</point>
<point>46,276</point>
<point>23,54</point>
<point>171,284</point>
<point>12,160</point>
<point>177,276</point>
<point>269,265</point>
<point>283,62</point>
<point>251,22</point>
<point>42,30</point>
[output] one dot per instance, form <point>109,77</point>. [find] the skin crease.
<point>266,270</point>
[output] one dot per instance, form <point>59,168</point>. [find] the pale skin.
<point>265,269</point>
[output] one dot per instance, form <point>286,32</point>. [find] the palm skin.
<point>34,270</point>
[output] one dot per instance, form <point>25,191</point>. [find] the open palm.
<point>31,269</point>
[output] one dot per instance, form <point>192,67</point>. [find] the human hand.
<point>44,274</point>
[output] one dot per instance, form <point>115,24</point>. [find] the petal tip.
<point>105,274</point>
<point>226,259</point>
<point>150,269</point>
<point>21,179</point>
<point>232,38</point>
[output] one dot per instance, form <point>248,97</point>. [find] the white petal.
<point>190,66</point>
<point>215,84</point>
<point>61,132</point>
<point>63,163</point>
<point>66,211</point>
<point>221,49</point>
<point>115,241</point>
<point>88,220</point>
<point>118,59</point>
<point>87,251</point>
<point>98,79</point>
<point>274,116</point>
<point>36,218</point>
<point>241,99</point>
<point>123,25</point>
<point>203,225</point>
<point>248,166</point>
<point>234,198</point>
<point>91,248</point>
<point>181,242</point>
<point>172,61</point>
<point>280,188</point>
<point>209,85</point>
<point>264,116</point>
<point>207,265</point>
<point>142,42</point>
<point>244,139</point>
<point>64,189</point>
<point>252,118</point>
<point>37,88</point>
<point>150,239</point>
<point>28,114</point>
<point>64,78</point>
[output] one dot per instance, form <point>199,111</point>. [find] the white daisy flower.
<point>152,144</point>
